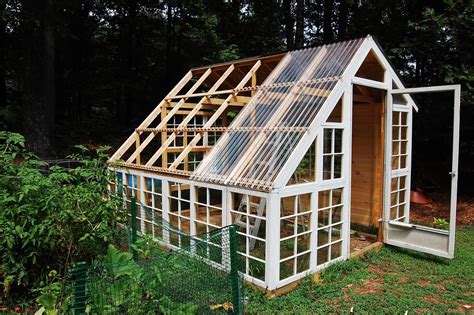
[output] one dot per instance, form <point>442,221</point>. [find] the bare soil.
<point>439,208</point>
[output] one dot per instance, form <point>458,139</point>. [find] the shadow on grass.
<point>417,255</point>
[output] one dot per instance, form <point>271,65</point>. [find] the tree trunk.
<point>3,51</point>
<point>299,36</point>
<point>39,75</point>
<point>327,21</point>
<point>169,43</point>
<point>289,24</point>
<point>49,78</point>
<point>127,45</point>
<point>343,20</point>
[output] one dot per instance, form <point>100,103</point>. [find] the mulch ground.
<point>439,208</point>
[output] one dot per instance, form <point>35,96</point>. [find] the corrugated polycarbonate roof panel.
<point>254,149</point>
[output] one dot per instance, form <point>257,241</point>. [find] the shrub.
<point>48,221</point>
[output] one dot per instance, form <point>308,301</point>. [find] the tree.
<point>299,35</point>
<point>3,51</point>
<point>327,23</point>
<point>39,94</point>
<point>343,20</point>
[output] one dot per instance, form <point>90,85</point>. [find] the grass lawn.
<point>390,281</point>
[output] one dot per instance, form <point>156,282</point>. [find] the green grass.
<point>390,281</point>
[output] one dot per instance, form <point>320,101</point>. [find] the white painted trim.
<point>370,83</point>
<point>454,173</point>
<point>272,246</point>
<point>428,89</point>
<point>326,109</point>
<point>347,171</point>
<point>313,245</point>
<point>387,159</point>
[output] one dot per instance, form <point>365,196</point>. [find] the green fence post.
<point>134,226</point>
<point>79,276</point>
<point>234,272</point>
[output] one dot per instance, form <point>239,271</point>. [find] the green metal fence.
<point>199,278</point>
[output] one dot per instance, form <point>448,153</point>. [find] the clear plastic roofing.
<point>255,147</point>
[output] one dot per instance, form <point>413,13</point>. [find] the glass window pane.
<point>287,227</point>
<point>201,195</point>
<point>323,236</point>
<point>302,263</point>
<point>337,166</point>
<point>303,223</point>
<point>323,199</point>
<point>337,140</point>
<point>336,196</point>
<point>327,141</point>
<point>303,243</point>
<point>323,217</point>
<point>336,232</point>
<point>256,269</point>
<point>327,166</point>
<point>215,197</point>
<point>337,214</point>
<point>336,114</point>
<point>286,269</point>
<point>395,133</point>
<point>336,250</point>
<point>396,118</point>
<point>287,248</point>
<point>323,255</point>
<point>287,206</point>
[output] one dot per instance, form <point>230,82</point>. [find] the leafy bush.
<point>440,223</point>
<point>118,284</point>
<point>48,221</point>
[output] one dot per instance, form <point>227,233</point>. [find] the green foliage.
<point>440,223</point>
<point>117,284</point>
<point>50,220</point>
<point>146,247</point>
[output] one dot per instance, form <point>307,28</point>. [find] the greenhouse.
<point>307,152</point>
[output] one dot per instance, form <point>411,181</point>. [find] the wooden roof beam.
<point>157,111</point>
<point>214,117</point>
<point>185,121</point>
<point>150,137</point>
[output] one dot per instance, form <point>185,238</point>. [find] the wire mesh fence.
<point>201,277</point>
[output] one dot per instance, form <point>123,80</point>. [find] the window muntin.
<point>399,140</point>
<point>329,227</point>
<point>332,153</point>
<point>208,205</point>
<point>153,206</point>
<point>295,235</point>
<point>398,198</point>
<point>249,214</point>
<point>179,213</point>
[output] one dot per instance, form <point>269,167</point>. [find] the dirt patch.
<point>439,208</point>
<point>434,300</point>
<point>402,279</point>
<point>423,283</point>
<point>361,240</point>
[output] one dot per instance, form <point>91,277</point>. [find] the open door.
<point>398,230</point>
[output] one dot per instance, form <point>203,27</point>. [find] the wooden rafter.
<point>188,118</point>
<point>222,129</point>
<point>168,116</point>
<point>281,66</point>
<point>214,117</point>
<point>128,143</point>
